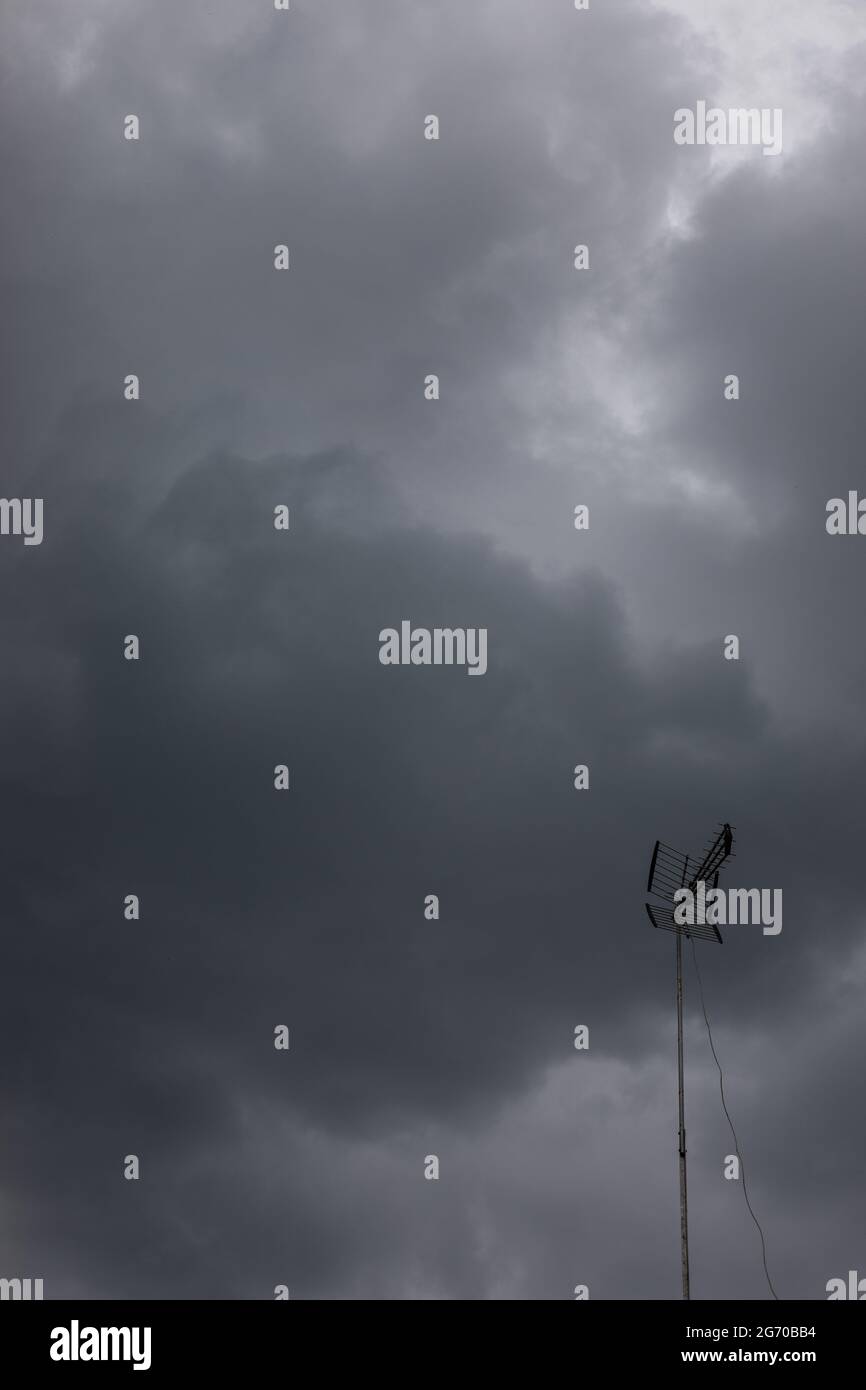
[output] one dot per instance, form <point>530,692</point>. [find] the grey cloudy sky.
<point>258,648</point>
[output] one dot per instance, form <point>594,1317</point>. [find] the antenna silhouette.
<point>669,872</point>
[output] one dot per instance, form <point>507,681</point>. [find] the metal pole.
<point>684,1206</point>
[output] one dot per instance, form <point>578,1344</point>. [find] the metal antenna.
<point>669,872</point>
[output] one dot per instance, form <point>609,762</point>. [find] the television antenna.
<point>669,872</point>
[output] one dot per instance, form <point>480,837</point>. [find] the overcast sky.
<point>558,387</point>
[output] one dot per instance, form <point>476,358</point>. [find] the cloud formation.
<point>411,1037</point>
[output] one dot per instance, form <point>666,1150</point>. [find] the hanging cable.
<point>730,1121</point>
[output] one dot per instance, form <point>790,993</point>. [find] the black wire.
<point>731,1123</point>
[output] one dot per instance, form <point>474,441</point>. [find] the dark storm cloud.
<point>307,908</point>
<point>768,285</point>
<point>261,648</point>
<point>408,257</point>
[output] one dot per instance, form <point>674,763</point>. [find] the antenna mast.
<point>669,871</point>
